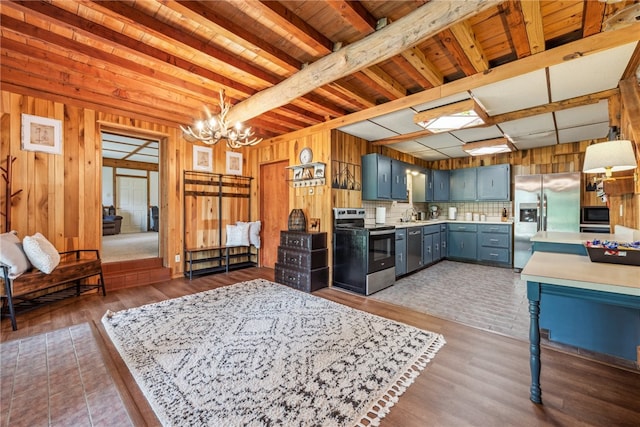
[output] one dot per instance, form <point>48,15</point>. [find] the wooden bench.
<point>34,288</point>
<point>221,256</point>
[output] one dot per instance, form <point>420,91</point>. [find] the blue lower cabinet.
<point>401,252</point>
<point>463,241</point>
<point>494,244</point>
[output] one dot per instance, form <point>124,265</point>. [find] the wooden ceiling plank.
<point>457,54</point>
<point>419,61</point>
<point>311,40</point>
<point>592,17</point>
<point>630,95</point>
<point>355,14</point>
<point>463,32</point>
<point>403,138</point>
<point>391,87</point>
<point>182,41</point>
<point>533,25</point>
<point>198,12</point>
<point>516,28</point>
<point>401,65</point>
<point>349,90</point>
<point>404,33</point>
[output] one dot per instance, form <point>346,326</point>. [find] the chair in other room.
<point>111,222</point>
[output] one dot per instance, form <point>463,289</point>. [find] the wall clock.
<point>306,155</point>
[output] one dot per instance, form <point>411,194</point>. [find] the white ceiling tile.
<point>429,155</point>
<point>516,93</point>
<point>528,125</point>
<point>407,146</point>
<point>477,134</point>
<point>440,140</point>
<point>584,133</point>
<point>587,114</point>
<point>367,130</point>
<point>454,151</point>
<point>589,74</point>
<point>398,121</point>
<point>535,140</point>
<point>442,101</point>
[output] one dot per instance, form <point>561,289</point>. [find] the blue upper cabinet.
<point>494,182</point>
<point>383,178</point>
<point>398,180</point>
<point>440,185</point>
<point>463,184</point>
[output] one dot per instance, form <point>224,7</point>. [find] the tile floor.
<point>490,298</point>
<point>58,379</point>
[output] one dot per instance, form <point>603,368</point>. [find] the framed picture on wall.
<point>234,163</point>
<point>41,134</point>
<point>202,159</point>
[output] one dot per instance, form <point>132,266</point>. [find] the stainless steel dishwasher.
<point>414,248</point>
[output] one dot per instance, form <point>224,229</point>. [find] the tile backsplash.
<point>395,211</point>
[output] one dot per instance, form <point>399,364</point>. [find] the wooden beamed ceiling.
<point>163,60</point>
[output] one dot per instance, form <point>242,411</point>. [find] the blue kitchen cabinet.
<point>376,177</point>
<point>422,185</point>
<point>463,241</point>
<point>494,244</point>
<point>399,180</point>
<point>494,182</point>
<point>440,185</point>
<point>443,241</point>
<point>430,244</point>
<point>383,178</point>
<point>401,251</point>
<point>463,184</point>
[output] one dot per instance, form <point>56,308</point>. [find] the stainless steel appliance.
<point>364,256</point>
<point>549,202</point>
<point>594,219</point>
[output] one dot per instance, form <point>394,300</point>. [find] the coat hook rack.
<point>8,192</point>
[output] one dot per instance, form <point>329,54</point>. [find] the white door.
<point>132,204</point>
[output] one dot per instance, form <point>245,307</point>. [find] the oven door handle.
<point>382,232</point>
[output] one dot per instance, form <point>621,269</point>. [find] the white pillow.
<point>254,232</point>
<point>42,254</point>
<point>238,235</point>
<point>12,255</point>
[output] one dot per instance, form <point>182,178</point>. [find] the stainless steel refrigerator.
<point>549,202</point>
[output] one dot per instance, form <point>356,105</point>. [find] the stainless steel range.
<point>363,255</point>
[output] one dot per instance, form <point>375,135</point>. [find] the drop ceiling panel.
<point>533,141</point>
<point>367,130</point>
<point>584,133</point>
<point>516,93</point>
<point>477,134</point>
<point>429,155</point>
<point>453,152</point>
<point>587,114</point>
<point>398,121</point>
<point>529,125</point>
<point>442,101</point>
<point>407,146</point>
<point>589,74</point>
<point>440,140</point>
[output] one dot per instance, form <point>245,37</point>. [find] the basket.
<point>614,256</point>
<point>297,220</point>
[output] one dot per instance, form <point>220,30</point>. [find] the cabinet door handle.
<point>494,255</point>
<point>493,240</point>
<point>292,259</point>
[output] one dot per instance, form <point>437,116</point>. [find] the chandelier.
<point>215,128</point>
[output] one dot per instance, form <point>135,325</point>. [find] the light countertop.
<point>573,238</point>
<point>579,272</point>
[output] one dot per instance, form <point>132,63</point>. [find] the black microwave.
<point>594,215</point>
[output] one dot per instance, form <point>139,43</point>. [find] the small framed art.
<point>202,159</point>
<point>41,134</point>
<point>314,225</point>
<point>234,163</point>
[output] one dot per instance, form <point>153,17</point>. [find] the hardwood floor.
<point>478,378</point>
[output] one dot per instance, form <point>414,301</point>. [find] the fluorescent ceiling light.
<point>450,117</point>
<point>453,122</point>
<point>489,146</point>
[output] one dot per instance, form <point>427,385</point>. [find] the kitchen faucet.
<point>409,214</point>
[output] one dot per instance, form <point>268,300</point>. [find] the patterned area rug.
<point>260,354</point>
<point>489,298</point>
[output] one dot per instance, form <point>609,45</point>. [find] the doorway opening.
<point>130,197</point>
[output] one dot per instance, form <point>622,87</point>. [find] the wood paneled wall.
<point>61,194</point>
